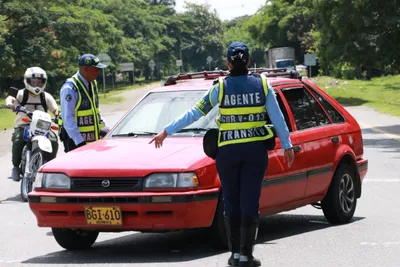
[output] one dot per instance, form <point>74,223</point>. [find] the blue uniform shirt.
<point>68,101</point>
<point>211,99</point>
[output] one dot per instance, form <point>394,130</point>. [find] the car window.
<point>284,112</point>
<point>158,109</point>
<point>285,63</point>
<point>306,111</point>
<point>333,113</point>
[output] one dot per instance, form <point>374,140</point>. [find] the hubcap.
<point>346,193</point>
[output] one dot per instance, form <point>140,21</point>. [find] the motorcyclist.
<point>32,97</point>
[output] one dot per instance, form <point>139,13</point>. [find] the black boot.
<point>232,226</point>
<point>248,235</point>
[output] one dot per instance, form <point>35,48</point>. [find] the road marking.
<point>382,180</point>
<point>380,244</point>
<point>10,261</point>
<point>376,129</point>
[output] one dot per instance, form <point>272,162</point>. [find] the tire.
<point>339,206</point>
<point>74,239</point>
<point>217,231</point>
<point>23,161</point>
<point>27,184</point>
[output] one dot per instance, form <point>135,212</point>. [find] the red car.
<point>122,183</point>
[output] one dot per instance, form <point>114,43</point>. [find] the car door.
<point>282,184</point>
<point>317,137</point>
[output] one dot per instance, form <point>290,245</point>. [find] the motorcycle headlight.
<point>172,180</point>
<point>52,181</point>
<point>43,125</point>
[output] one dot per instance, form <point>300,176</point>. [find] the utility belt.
<point>210,142</point>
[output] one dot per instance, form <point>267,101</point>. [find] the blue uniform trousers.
<point>241,169</point>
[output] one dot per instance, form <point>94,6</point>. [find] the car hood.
<point>127,157</point>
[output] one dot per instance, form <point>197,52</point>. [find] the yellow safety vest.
<point>242,123</point>
<point>86,110</point>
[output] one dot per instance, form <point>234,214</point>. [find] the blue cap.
<point>237,49</point>
<point>90,60</point>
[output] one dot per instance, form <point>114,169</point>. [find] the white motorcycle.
<point>38,149</point>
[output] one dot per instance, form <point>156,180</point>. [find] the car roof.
<point>201,83</point>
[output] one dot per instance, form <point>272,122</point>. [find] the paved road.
<point>297,238</point>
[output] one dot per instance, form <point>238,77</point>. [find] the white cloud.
<point>227,9</point>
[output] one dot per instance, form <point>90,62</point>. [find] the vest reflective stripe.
<point>242,124</point>
<point>244,136</point>
<point>87,119</point>
<point>87,112</point>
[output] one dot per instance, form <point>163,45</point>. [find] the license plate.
<point>103,215</point>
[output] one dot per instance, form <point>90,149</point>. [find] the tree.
<point>283,23</point>
<point>363,33</point>
<point>203,37</point>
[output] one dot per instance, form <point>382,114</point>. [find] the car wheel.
<point>217,229</point>
<point>74,239</point>
<point>340,202</point>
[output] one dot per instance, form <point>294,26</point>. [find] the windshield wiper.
<point>134,134</point>
<point>193,130</point>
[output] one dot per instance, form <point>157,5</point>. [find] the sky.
<point>227,9</point>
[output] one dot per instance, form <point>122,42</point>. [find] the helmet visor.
<point>36,82</point>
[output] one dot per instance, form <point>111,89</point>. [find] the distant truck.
<point>281,57</point>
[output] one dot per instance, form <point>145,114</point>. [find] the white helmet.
<point>35,73</point>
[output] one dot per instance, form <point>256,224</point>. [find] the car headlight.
<point>52,181</point>
<point>172,180</point>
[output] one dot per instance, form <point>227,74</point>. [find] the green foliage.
<point>351,38</point>
<point>52,34</point>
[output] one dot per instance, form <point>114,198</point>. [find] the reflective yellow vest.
<point>241,118</point>
<point>87,110</point>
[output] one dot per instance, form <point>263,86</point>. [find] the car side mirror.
<point>12,91</point>
<point>104,131</point>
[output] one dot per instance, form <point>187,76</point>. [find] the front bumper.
<point>140,211</point>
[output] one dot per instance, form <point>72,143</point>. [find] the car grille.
<point>106,185</point>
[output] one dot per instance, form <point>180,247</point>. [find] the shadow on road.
<point>389,145</point>
<point>16,198</point>
<point>373,138</point>
<point>179,246</point>
<point>392,129</point>
<point>351,101</point>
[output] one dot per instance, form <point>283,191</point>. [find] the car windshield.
<point>284,63</point>
<point>158,109</point>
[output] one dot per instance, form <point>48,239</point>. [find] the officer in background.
<point>242,156</point>
<point>81,120</point>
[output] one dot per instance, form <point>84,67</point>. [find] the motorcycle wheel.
<point>23,162</point>
<point>37,159</point>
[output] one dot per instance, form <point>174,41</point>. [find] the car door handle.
<point>335,139</point>
<point>296,148</point>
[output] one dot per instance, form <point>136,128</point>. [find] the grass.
<point>112,97</point>
<point>6,117</point>
<point>382,93</point>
